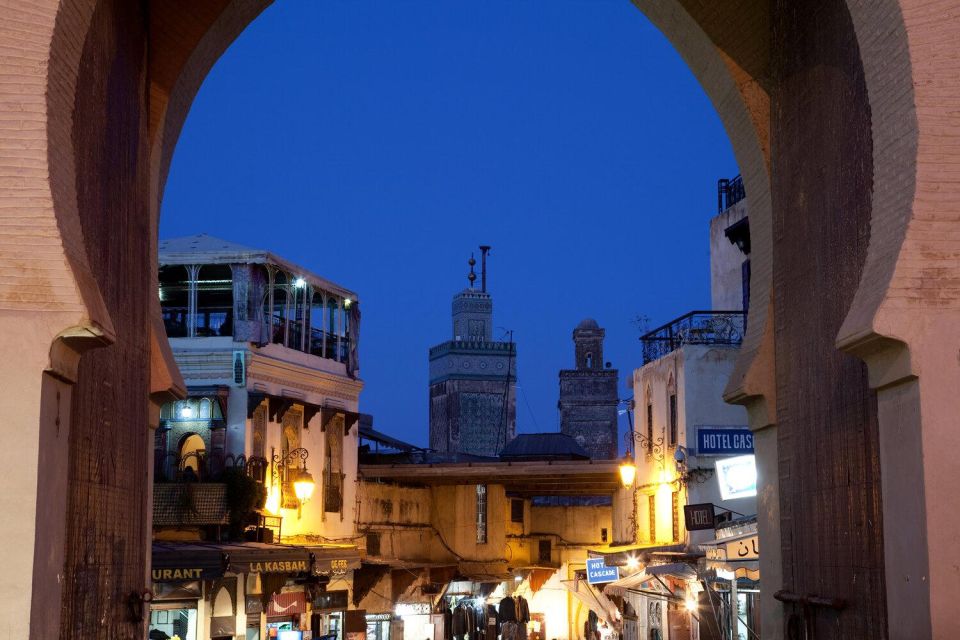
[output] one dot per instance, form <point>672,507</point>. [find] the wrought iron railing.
<point>201,466</point>
<point>696,327</point>
<point>729,193</point>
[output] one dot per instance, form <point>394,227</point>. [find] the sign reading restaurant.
<point>724,441</point>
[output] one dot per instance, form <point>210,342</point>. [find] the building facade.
<point>588,395</point>
<point>255,469</point>
<point>696,477</point>
<point>473,380</point>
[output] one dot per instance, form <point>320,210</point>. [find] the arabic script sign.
<point>736,550</point>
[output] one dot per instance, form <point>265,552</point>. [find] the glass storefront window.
<point>173,622</point>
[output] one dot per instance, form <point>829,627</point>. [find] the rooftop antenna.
<point>484,250</point>
<point>472,275</point>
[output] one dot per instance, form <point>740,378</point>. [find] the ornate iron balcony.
<point>729,193</point>
<point>696,327</point>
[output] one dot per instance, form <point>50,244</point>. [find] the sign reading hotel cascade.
<point>724,441</point>
<point>599,573</point>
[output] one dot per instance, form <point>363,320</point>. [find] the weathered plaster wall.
<point>726,260</point>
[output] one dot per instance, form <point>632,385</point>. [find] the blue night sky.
<point>378,143</point>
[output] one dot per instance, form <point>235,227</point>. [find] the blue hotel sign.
<point>724,441</point>
<point>599,573</point>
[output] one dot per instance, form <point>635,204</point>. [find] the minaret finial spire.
<point>472,277</point>
<point>484,250</point>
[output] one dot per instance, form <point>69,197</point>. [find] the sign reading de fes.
<point>599,573</point>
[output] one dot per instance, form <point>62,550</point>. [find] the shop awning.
<point>639,581</point>
<point>621,555</point>
<point>594,600</point>
<point>680,570</point>
<point>334,560</point>
<point>258,557</point>
<point>177,562</point>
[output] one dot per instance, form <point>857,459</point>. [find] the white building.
<point>689,447</point>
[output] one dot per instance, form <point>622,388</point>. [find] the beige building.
<point>269,355</point>
<point>442,534</point>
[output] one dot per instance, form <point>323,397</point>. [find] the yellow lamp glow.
<point>628,471</point>
<point>273,500</point>
<point>632,563</point>
<point>303,486</point>
<point>691,604</point>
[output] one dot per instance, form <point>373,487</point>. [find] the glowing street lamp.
<point>303,485</point>
<point>628,471</point>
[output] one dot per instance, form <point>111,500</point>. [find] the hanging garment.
<point>509,631</point>
<point>459,622</point>
<point>491,626</point>
<point>523,610</point>
<point>447,623</point>
<point>507,612</point>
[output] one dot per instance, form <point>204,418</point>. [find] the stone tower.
<point>588,395</point>
<point>473,379</point>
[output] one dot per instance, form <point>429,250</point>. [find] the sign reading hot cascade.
<point>599,573</point>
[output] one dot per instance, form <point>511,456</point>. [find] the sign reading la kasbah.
<point>279,566</point>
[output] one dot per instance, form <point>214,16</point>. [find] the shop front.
<point>328,617</point>
<point>174,611</point>
<point>378,626</point>
<point>179,572</point>
<point>733,559</point>
<point>417,621</point>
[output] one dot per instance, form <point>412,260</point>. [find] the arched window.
<point>672,417</point>
<point>588,360</point>
<point>649,420</point>
<point>192,450</point>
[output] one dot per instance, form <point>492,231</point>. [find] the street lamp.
<point>628,470</point>
<point>301,479</point>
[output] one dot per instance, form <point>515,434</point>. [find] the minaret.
<point>473,377</point>
<point>588,394</point>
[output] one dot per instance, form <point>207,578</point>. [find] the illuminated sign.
<point>723,441</point>
<point>737,477</point>
<point>599,573</point>
<point>736,551</point>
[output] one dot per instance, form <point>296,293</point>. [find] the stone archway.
<point>95,95</point>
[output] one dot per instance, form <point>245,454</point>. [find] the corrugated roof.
<point>206,249</point>
<point>544,446</point>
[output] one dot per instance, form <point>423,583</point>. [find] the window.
<point>373,544</point>
<point>333,466</point>
<point>650,428</point>
<point>545,552</point>
<point>673,419</point>
<point>516,511</point>
<point>676,516</point>
<point>481,514</point>
<point>589,361</point>
<point>291,425</point>
<point>603,535</point>
<point>652,508</point>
